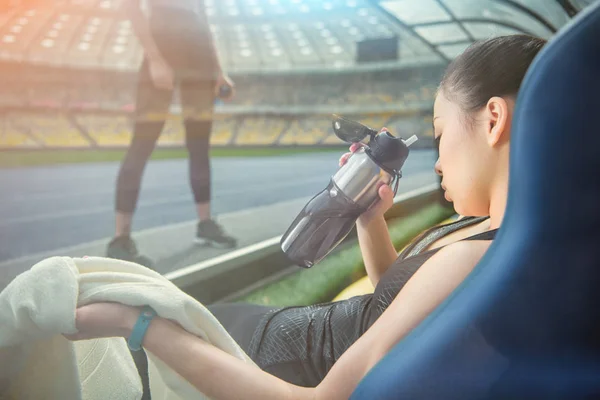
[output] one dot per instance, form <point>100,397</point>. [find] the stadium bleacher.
<point>294,64</point>
<point>71,107</point>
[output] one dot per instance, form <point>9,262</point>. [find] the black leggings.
<point>179,37</point>
<point>197,140</point>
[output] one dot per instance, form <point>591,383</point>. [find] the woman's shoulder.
<point>458,256</point>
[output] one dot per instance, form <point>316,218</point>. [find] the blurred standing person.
<point>179,50</point>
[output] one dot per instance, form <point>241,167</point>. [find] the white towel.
<point>37,362</point>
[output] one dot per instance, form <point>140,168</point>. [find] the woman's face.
<point>463,161</point>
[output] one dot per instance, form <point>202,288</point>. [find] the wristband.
<point>139,329</point>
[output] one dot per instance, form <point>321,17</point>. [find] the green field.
<point>18,158</point>
<point>325,280</point>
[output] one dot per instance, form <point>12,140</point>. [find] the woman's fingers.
<point>344,158</point>
<point>386,193</point>
<point>354,147</point>
<point>386,200</point>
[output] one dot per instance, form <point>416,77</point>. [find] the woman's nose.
<point>438,167</point>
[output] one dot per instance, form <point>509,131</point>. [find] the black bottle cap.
<point>388,151</point>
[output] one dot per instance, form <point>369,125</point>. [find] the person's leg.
<point>197,97</point>
<point>145,135</point>
<point>151,109</point>
<point>197,140</point>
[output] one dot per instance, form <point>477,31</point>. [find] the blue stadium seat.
<point>525,324</point>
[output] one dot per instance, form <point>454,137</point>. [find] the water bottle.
<point>330,216</point>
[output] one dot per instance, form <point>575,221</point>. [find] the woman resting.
<point>323,351</point>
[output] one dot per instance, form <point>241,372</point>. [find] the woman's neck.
<point>498,198</point>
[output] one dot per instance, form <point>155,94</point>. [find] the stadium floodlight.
<point>9,38</point>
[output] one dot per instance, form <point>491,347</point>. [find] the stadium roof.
<point>259,35</point>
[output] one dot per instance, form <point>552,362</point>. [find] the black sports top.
<point>301,344</point>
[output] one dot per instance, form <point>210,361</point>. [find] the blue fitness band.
<point>139,329</point>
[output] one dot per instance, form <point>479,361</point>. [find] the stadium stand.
<point>307,131</point>
<point>260,131</point>
<point>12,136</point>
<point>100,104</point>
<point>224,129</point>
<point>106,130</point>
<point>294,64</point>
<point>52,129</point>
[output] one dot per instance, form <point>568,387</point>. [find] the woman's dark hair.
<point>487,68</point>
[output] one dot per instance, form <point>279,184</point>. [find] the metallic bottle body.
<point>360,178</point>
<point>330,216</point>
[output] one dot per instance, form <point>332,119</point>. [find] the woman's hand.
<point>102,320</point>
<point>224,80</point>
<point>386,194</point>
<point>377,210</point>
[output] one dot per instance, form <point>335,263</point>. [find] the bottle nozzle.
<point>410,140</point>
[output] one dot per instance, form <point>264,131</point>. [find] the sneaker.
<point>211,233</point>
<point>124,248</point>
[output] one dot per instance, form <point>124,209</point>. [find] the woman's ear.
<point>498,121</point>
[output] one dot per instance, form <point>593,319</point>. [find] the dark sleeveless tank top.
<point>301,344</point>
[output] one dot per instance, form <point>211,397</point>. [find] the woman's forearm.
<point>376,246</point>
<point>215,373</point>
